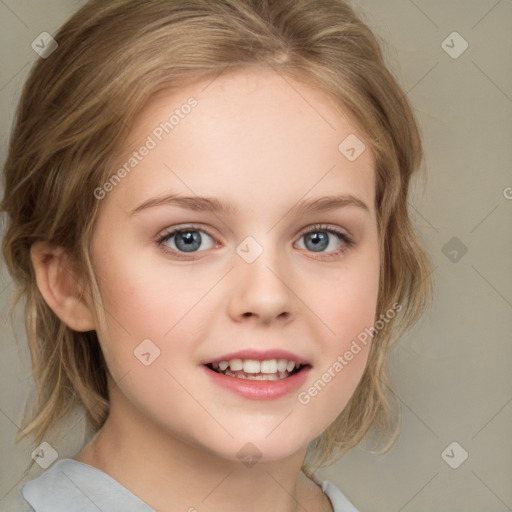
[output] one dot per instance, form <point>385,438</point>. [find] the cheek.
<point>153,316</point>
<point>143,301</point>
<point>348,302</point>
<point>356,306</point>
<point>147,337</point>
<point>349,311</point>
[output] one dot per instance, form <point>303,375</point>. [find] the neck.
<point>170,475</point>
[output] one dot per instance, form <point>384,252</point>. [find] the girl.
<point>207,205</point>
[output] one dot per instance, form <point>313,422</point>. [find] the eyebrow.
<point>197,203</point>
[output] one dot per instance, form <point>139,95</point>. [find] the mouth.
<point>254,369</point>
<point>258,374</point>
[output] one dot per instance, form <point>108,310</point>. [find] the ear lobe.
<point>60,287</point>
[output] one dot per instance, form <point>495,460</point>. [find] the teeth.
<point>269,366</point>
<point>250,376</point>
<point>281,365</point>
<point>270,369</point>
<point>236,364</point>
<point>251,366</point>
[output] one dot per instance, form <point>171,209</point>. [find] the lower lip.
<point>259,389</point>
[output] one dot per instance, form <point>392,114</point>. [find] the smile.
<point>270,376</point>
<point>252,369</point>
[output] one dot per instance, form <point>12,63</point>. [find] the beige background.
<point>453,370</point>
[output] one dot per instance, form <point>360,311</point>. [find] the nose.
<point>261,291</point>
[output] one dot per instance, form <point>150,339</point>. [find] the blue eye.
<point>321,239</point>
<point>186,240</point>
<point>327,242</point>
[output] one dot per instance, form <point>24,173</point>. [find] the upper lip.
<point>259,355</point>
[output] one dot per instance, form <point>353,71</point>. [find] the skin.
<point>172,437</point>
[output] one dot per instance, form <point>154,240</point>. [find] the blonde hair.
<point>76,110</point>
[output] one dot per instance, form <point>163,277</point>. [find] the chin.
<point>256,445</point>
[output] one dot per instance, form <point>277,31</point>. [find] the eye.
<point>322,239</point>
<point>327,241</point>
<point>186,240</point>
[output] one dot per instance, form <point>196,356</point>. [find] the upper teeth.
<point>254,366</point>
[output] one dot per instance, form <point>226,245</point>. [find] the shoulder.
<point>339,502</point>
<point>72,485</point>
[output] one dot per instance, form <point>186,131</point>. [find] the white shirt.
<point>70,486</point>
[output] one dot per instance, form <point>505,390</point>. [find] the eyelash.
<point>347,240</point>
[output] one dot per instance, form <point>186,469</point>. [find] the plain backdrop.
<point>452,371</point>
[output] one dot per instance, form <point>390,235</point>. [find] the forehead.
<point>252,130</point>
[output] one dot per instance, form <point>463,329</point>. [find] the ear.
<point>60,287</point>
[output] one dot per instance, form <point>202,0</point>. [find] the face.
<point>238,260</point>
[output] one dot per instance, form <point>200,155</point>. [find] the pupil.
<point>188,241</point>
<point>319,240</point>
